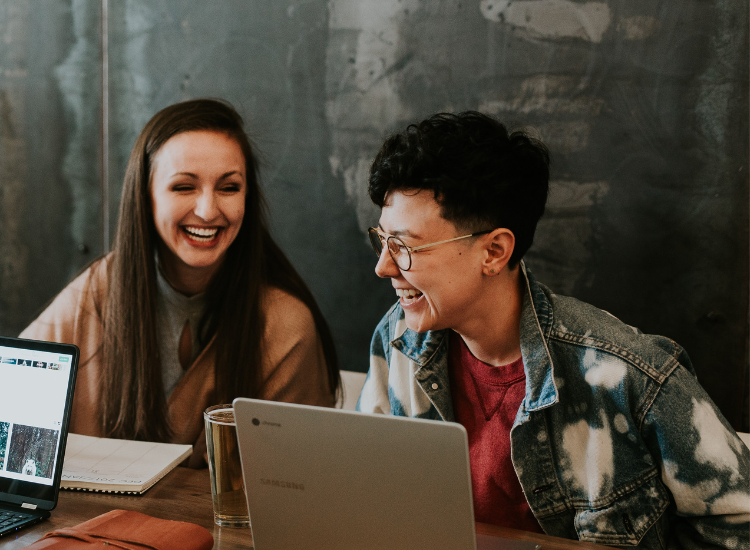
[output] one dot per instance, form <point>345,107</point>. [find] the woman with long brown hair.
<point>196,304</point>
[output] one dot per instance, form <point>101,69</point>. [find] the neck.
<point>185,279</point>
<point>493,330</point>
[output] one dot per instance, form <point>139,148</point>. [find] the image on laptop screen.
<point>37,381</point>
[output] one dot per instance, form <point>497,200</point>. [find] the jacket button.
<point>434,386</point>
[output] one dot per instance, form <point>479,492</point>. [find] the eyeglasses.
<point>400,253</point>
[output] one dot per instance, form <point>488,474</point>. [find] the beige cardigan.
<point>293,369</point>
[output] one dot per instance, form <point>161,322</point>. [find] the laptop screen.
<point>38,381</point>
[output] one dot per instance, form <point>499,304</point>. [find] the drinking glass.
<point>227,486</point>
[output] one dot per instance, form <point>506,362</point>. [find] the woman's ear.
<point>498,250</point>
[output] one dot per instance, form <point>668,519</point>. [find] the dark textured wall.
<point>50,177</point>
<point>644,105</point>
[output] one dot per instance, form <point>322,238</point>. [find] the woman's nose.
<point>206,207</point>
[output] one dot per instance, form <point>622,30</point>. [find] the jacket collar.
<point>419,347</point>
<point>536,321</point>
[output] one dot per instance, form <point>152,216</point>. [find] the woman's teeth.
<point>408,295</point>
<point>203,234</point>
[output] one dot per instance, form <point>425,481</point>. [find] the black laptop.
<point>37,380</point>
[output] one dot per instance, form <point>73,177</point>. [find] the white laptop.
<point>342,480</point>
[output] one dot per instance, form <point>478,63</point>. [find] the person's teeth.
<point>202,231</point>
<point>407,293</point>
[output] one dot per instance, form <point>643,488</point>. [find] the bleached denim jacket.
<point>615,441</point>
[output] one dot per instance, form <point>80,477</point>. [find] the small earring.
<point>492,270</point>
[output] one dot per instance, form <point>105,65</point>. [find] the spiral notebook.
<point>116,465</point>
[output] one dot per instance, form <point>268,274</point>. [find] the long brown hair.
<point>133,402</point>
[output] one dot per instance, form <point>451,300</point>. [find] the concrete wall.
<point>644,105</point>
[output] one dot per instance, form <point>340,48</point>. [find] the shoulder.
<point>294,367</point>
<point>286,314</point>
<point>91,282</point>
<point>574,317</point>
<point>82,297</point>
<point>580,323</point>
<point>290,328</point>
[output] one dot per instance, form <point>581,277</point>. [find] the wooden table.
<point>185,495</point>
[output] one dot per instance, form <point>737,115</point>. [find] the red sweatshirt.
<point>485,401</point>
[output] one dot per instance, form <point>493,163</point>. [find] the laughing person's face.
<point>443,282</point>
<point>198,187</point>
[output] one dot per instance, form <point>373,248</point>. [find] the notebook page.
<point>117,461</point>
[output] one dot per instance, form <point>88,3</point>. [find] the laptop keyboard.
<point>13,521</point>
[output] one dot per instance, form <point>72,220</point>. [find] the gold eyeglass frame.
<point>376,236</point>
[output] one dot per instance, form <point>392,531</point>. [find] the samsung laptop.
<point>37,381</point>
<point>342,480</point>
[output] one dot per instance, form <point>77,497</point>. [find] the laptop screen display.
<point>34,410</point>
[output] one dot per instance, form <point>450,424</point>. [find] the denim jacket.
<point>615,442</point>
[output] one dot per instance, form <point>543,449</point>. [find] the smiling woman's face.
<point>198,187</point>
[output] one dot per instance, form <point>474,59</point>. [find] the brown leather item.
<point>128,531</point>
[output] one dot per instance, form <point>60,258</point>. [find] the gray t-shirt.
<point>173,310</point>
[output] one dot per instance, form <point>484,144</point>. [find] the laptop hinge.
<point>29,506</point>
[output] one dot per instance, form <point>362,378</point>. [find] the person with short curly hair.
<point>578,425</point>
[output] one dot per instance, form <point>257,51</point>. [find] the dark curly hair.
<point>482,176</point>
